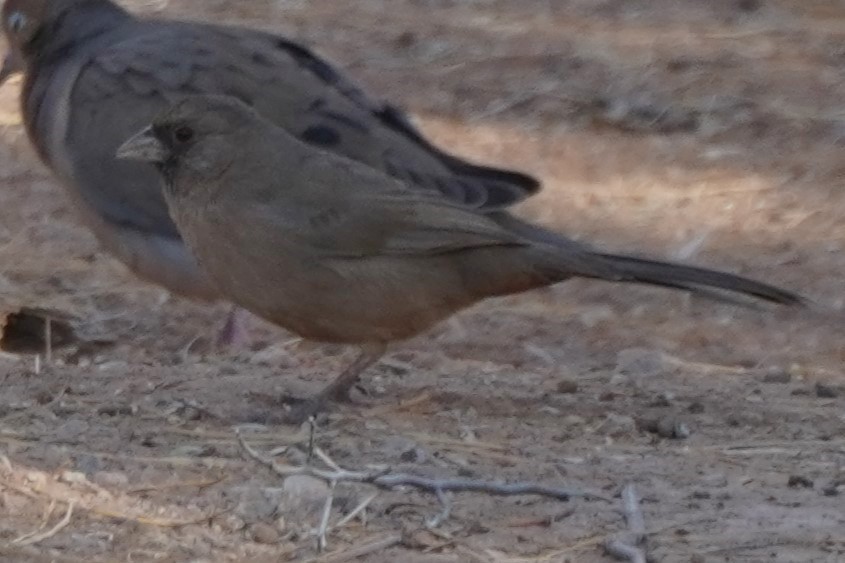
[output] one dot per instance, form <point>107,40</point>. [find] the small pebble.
<point>833,489</point>
<point>73,477</point>
<point>567,386</point>
<point>777,375</point>
<point>796,481</point>
<point>617,425</point>
<point>672,428</point>
<point>696,408</point>
<point>263,533</point>
<point>231,522</point>
<point>825,391</point>
<point>573,420</point>
<point>414,455</point>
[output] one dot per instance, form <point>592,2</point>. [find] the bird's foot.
<point>235,333</point>
<point>301,409</point>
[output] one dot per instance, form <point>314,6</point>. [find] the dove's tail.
<point>484,187</point>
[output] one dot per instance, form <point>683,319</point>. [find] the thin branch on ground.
<point>385,479</point>
<point>444,514</point>
<point>358,551</point>
<point>322,541</point>
<point>31,539</point>
<point>624,546</point>
<point>362,506</point>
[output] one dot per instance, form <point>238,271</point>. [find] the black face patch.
<point>321,135</point>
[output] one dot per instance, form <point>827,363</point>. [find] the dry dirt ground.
<point>708,131</point>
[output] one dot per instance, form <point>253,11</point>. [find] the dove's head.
<point>194,141</point>
<point>33,27</point>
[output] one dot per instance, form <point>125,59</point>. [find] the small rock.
<point>36,477</point>
<point>607,396</point>
<point>616,425</point>
<point>73,477</point>
<point>777,375</point>
<point>672,428</point>
<point>573,420</point>
<point>263,533</point>
<point>831,490</point>
<point>230,522</point>
<point>254,504</point>
<point>825,391</point>
<point>796,481</point>
<point>567,386</point>
<point>800,391</point>
<point>414,455</point>
<point>696,408</point>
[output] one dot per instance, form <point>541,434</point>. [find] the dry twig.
<point>30,539</point>
<point>624,546</point>
<point>357,551</point>
<point>384,479</point>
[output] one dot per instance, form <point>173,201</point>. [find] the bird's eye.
<point>183,134</point>
<point>16,21</point>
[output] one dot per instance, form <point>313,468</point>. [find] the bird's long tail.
<point>639,270</point>
<point>585,262</point>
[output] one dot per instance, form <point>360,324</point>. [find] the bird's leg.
<point>338,390</point>
<point>235,333</point>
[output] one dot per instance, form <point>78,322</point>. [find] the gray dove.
<point>337,251</point>
<point>94,74</point>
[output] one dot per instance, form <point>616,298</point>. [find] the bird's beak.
<point>143,146</point>
<point>12,65</point>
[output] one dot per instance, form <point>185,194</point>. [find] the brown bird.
<point>336,251</point>
<point>94,74</point>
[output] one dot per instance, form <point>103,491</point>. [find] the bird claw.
<point>301,409</point>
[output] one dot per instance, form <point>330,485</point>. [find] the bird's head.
<point>30,26</point>
<point>195,140</point>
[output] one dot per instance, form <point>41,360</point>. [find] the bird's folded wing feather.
<point>342,209</point>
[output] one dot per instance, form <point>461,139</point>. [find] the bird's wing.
<point>339,208</point>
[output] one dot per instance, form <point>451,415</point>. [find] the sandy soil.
<point>707,131</point>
